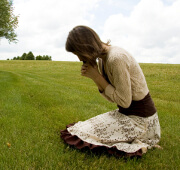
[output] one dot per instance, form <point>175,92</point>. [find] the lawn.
<point>39,98</point>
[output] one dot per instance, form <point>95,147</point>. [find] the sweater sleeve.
<point>106,97</point>
<point>120,90</point>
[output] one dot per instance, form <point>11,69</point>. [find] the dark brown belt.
<point>142,108</point>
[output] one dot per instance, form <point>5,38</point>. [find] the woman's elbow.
<point>125,103</point>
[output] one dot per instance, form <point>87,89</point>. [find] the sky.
<point>148,29</point>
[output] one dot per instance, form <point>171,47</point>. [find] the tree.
<point>44,57</point>
<point>23,57</point>
<point>8,21</point>
<point>18,58</point>
<point>39,57</point>
<point>30,56</point>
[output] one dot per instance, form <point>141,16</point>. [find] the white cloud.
<point>44,26</point>
<point>149,29</point>
<point>151,32</point>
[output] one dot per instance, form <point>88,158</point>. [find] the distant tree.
<point>8,21</point>
<point>50,58</point>
<point>44,57</point>
<point>30,56</point>
<point>8,59</point>
<point>23,56</point>
<point>39,57</point>
<point>18,58</point>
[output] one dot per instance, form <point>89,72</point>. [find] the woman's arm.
<point>101,83</point>
<point>121,92</point>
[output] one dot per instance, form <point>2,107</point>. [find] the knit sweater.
<point>127,81</point>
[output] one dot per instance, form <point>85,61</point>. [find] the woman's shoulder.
<point>116,50</point>
<point>118,54</point>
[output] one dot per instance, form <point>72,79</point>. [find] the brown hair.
<point>85,43</point>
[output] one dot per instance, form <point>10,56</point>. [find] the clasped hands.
<point>90,71</point>
<point>93,73</point>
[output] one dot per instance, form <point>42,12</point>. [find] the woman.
<point>134,126</point>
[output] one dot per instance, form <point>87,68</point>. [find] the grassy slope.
<point>38,98</point>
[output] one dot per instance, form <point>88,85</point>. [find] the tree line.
<point>30,56</point>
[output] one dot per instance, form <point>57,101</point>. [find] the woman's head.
<point>85,43</point>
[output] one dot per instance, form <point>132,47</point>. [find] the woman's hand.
<point>90,71</point>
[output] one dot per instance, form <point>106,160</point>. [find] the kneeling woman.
<point>134,126</point>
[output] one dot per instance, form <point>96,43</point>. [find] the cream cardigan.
<point>127,81</point>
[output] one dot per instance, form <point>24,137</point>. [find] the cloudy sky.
<point>148,29</point>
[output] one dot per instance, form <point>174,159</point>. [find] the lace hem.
<point>75,141</point>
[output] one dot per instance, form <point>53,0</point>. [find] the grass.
<point>39,98</point>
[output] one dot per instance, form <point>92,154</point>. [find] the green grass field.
<point>39,98</point>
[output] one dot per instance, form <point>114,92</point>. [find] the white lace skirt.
<point>128,134</point>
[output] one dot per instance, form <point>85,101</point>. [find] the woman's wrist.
<point>101,91</point>
<point>101,82</point>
